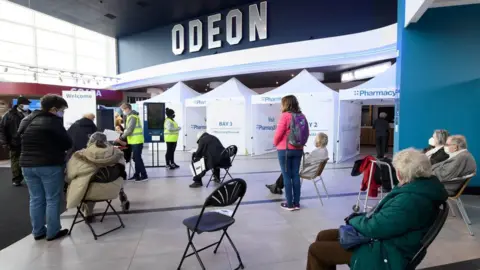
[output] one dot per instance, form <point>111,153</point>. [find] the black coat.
<point>44,140</point>
<point>211,149</point>
<point>382,127</point>
<point>439,156</point>
<point>80,132</point>
<point>9,127</point>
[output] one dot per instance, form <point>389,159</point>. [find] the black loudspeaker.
<point>105,119</point>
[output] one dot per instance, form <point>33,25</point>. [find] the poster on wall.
<point>226,121</point>
<point>264,120</point>
<point>79,103</point>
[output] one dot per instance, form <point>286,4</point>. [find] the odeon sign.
<point>257,25</point>
<point>98,93</point>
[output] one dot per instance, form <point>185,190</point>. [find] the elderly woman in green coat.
<point>397,224</point>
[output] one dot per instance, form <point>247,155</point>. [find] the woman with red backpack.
<point>290,137</point>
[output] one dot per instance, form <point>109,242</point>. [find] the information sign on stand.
<point>153,131</point>
<point>79,104</point>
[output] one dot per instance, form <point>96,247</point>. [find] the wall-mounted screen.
<point>155,115</point>
<point>34,104</point>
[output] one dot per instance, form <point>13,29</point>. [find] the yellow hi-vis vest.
<point>137,135</point>
<point>170,136</point>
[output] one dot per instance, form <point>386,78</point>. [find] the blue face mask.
<point>60,114</point>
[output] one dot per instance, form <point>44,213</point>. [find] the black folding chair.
<point>227,194</point>
<point>430,236</point>
<point>231,153</point>
<point>100,176</point>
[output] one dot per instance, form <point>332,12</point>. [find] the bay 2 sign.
<point>257,24</point>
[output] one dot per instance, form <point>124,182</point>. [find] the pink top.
<point>282,131</point>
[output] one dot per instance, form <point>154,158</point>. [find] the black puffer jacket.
<point>9,127</point>
<point>210,148</point>
<point>80,133</point>
<point>44,140</point>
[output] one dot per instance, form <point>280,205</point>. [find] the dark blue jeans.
<point>137,158</point>
<point>290,165</point>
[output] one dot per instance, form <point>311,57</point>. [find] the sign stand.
<point>157,165</point>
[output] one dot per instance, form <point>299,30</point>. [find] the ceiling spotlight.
<point>34,76</point>
<point>88,81</point>
<point>6,69</point>
<point>98,83</point>
<point>60,78</point>
<point>292,75</point>
<point>276,82</point>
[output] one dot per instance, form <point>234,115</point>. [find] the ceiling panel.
<point>129,16</point>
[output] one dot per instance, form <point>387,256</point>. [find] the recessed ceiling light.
<point>292,75</point>
<point>276,82</point>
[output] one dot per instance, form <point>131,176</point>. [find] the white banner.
<point>349,125</point>
<point>79,103</point>
<point>264,121</point>
<point>195,122</point>
<point>226,121</point>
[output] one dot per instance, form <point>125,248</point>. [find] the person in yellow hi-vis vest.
<point>170,134</point>
<point>134,135</point>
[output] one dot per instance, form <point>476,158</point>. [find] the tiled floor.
<point>266,236</point>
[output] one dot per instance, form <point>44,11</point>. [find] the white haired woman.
<point>310,163</point>
<point>394,228</point>
<point>82,168</point>
<point>436,152</point>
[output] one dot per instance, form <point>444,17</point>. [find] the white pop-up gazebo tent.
<point>381,90</point>
<point>317,101</point>
<point>227,112</point>
<point>174,98</point>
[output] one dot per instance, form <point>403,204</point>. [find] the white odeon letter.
<point>213,31</point>
<point>258,21</point>
<point>237,14</point>
<point>195,26</point>
<point>178,39</point>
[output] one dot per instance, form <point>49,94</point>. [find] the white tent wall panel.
<point>320,111</point>
<point>195,122</point>
<point>226,119</point>
<point>264,123</point>
<point>349,128</point>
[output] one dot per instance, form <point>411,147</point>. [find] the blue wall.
<point>287,22</point>
<point>440,77</point>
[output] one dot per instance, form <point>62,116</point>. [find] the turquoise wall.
<point>440,77</point>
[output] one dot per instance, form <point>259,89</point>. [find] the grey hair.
<point>459,140</point>
<point>412,164</point>
<point>321,140</point>
<point>98,139</point>
<point>383,115</point>
<point>441,136</point>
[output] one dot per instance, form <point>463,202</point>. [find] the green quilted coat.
<point>398,223</point>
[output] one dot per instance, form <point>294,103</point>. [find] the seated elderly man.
<point>460,163</point>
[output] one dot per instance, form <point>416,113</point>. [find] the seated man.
<point>310,163</point>
<point>460,163</point>
<point>210,149</point>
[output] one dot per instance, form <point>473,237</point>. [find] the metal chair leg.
<point>324,187</point>
<point>219,242</point>
<point>464,214</point>
<point>452,210</point>
<point>74,221</point>
<point>318,192</point>
<point>240,266</point>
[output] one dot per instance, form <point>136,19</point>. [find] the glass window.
<point>16,33</point>
<point>83,33</point>
<point>15,13</point>
<point>54,59</point>
<point>15,53</point>
<point>53,24</point>
<point>17,76</point>
<point>91,49</point>
<point>91,65</point>
<point>54,41</point>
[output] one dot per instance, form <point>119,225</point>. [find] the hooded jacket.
<point>9,126</point>
<point>83,165</point>
<point>398,223</point>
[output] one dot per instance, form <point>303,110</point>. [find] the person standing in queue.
<point>134,135</point>
<point>382,128</point>
<point>171,130</point>
<point>44,143</point>
<point>80,132</point>
<point>8,136</point>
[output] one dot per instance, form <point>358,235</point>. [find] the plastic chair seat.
<point>210,222</point>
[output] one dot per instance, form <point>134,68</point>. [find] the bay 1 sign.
<point>257,25</point>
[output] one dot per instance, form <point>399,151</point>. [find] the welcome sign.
<point>79,103</point>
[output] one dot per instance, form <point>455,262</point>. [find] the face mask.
<point>447,150</point>
<point>173,116</point>
<point>24,108</point>
<point>431,142</point>
<point>59,114</point>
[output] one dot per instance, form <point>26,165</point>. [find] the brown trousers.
<point>326,253</point>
